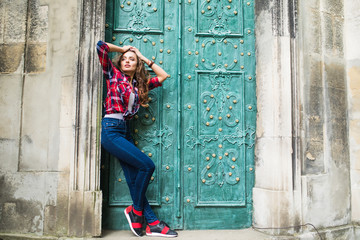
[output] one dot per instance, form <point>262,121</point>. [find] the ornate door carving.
<point>200,126</point>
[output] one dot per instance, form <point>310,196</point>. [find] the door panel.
<point>199,128</point>
<point>218,113</point>
<point>148,25</point>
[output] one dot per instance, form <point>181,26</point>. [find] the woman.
<point>128,84</point>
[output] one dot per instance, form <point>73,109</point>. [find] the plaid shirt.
<point>118,86</point>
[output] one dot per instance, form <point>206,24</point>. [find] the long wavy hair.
<point>141,75</point>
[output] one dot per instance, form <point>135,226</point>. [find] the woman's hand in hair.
<point>160,73</point>
<point>114,48</point>
<point>138,53</point>
<point>126,48</point>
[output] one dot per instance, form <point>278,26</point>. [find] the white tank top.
<point>131,102</point>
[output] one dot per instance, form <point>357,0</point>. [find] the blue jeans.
<point>138,168</point>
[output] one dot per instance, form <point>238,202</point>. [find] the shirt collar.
<point>128,77</point>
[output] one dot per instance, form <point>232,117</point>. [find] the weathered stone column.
<point>85,200</point>
<point>325,147</point>
<point>273,193</point>
<point>352,53</point>
<point>302,154</point>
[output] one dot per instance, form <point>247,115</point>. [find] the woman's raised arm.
<point>114,48</point>
<point>160,73</point>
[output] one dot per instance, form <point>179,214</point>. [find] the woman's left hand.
<point>160,73</point>
<point>138,53</point>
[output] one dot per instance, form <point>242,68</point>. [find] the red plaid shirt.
<point>118,86</point>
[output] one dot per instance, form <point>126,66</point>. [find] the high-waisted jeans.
<point>138,168</point>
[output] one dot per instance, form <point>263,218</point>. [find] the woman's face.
<point>128,62</point>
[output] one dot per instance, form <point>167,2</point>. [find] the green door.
<point>199,128</point>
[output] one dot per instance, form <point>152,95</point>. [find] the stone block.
<point>314,129</point>
<point>335,7</point>
<point>355,199</point>
<point>355,178</point>
<point>354,103</point>
<point>337,99</point>
<point>10,106</point>
<point>50,220</point>
<point>14,20</point>
<point>313,69</point>
<point>274,107</point>
<point>10,109</point>
<point>273,208</point>
<point>333,34</point>
<point>92,213</point>
<point>326,198</point>
<point>312,4</point>
<point>355,159</point>
<point>66,148</point>
<point>2,22</point>
<point>313,157</point>
<point>9,152</point>
<point>354,141</point>
<point>354,75</point>
<point>11,57</point>
<point>21,216</point>
<point>327,33</point>
<point>335,75</point>
<point>311,30</point>
<point>339,130</point>
<point>314,105</point>
<point>85,213</point>
<point>76,217</point>
<point>357,231</point>
<point>338,25</point>
<point>40,131</point>
<point>339,233</point>
<point>340,153</point>
<point>22,199</point>
<point>38,19</point>
<point>352,31</point>
<point>68,98</point>
<point>273,163</point>
<point>62,205</point>
<point>351,8</point>
<point>35,60</point>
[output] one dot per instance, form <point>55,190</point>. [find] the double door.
<point>199,128</point>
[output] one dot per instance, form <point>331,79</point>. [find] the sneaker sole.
<point>160,235</point>
<point>129,221</point>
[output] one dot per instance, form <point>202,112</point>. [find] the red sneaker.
<point>160,230</point>
<point>135,221</point>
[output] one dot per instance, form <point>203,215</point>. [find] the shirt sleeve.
<point>103,53</point>
<point>154,83</point>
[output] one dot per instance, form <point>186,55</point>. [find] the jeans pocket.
<point>112,127</point>
<point>109,123</point>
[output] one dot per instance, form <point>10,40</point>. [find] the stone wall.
<point>352,53</point>
<point>302,149</point>
<point>44,152</point>
<point>325,155</point>
<point>29,111</point>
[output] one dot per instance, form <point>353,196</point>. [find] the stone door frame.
<point>283,191</point>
